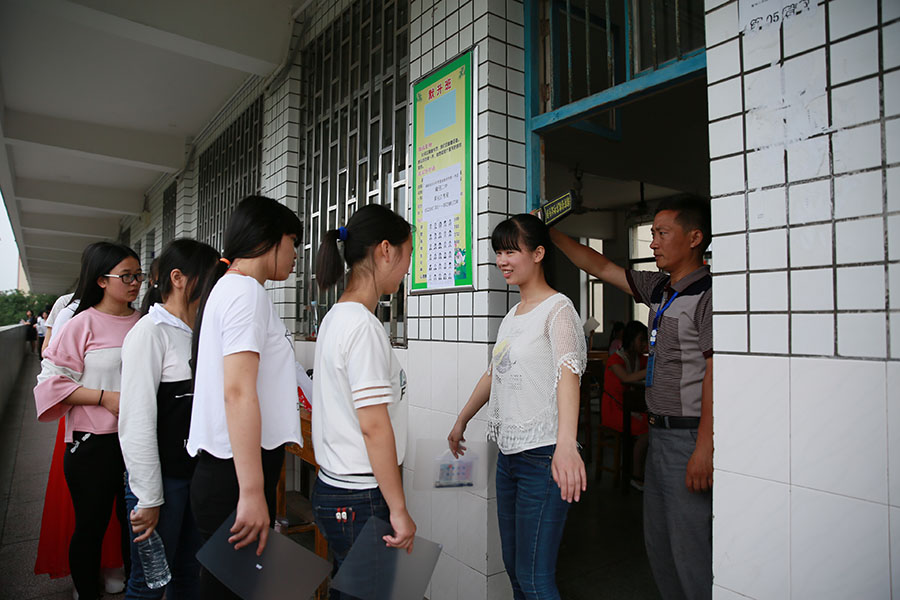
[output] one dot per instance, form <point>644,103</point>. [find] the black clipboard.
<point>285,570</point>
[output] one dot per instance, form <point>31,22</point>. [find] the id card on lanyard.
<point>653,332</point>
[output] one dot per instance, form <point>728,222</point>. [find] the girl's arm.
<point>568,468</point>
<point>480,395</point>
<point>244,433</point>
<point>378,433</point>
<point>624,377</point>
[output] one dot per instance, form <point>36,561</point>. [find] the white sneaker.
<point>113,581</point>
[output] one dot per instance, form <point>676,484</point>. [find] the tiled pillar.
<point>804,143</point>
<point>450,334</point>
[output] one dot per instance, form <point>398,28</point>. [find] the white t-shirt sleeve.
<point>243,325</point>
<point>369,366</point>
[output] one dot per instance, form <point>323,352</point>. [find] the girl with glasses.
<point>245,405</point>
<point>155,415</point>
<point>80,378</point>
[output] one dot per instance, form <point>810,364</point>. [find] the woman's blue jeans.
<point>359,505</point>
<point>532,516</point>
<point>180,538</point>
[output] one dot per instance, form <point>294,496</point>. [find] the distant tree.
<point>14,303</point>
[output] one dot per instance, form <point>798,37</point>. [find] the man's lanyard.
<point>653,332</point>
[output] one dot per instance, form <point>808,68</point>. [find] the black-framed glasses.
<point>129,278</point>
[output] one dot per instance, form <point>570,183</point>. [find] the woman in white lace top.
<point>532,384</point>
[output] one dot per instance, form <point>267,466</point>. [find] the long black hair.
<point>195,259</point>
<point>152,296</point>
<point>256,226</point>
<point>633,331</point>
<point>98,260</point>
<point>529,231</point>
<point>369,225</point>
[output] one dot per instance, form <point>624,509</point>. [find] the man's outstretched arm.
<point>589,260</point>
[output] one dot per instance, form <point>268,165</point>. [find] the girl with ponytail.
<point>245,405</point>
<point>359,389</point>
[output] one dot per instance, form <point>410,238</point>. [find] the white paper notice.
<point>441,203</point>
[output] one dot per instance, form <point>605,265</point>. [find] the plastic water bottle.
<point>153,561</point>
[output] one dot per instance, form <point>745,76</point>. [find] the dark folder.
<point>285,569</point>
<point>372,571</point>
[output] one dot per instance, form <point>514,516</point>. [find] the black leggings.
<point>95,475</point>
<point>214,496</point>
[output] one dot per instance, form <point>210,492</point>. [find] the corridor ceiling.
<point>100,98</point>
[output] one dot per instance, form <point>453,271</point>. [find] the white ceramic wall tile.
<point>890,10</point>
<point>721,24</point>
<point>892,94</point>
<point>730,333</point>
<point>860,288</point>
<point>849,16</point>
<point>721,593</point>
<point>465,304</point>
<point>444,520</point>
<point>763,88</point>
<point>451,329</point>
<point>767,208</point>
<point>808,159</point>
<point>762,48</point>
<point>765,127</point>
<point>834,449</point>
<point>472,364</point>
<point>894,286</point>
<point>723,61</point>
<point>858,195</point>
<point>765,167</point>
<point>752,429</point>
<point>451,303</point>
<point>860,241</point>
<point>413,331</point>
<point>728,214</point>
<point>862,334</point>
<point>751,529</point>
<point>480,305</point>
<point>891,43</point>
<point>804,33</point>
<point>437,304</point>
<point>895,555</point>
<point>853,58</point>
<point>812,289</point>
<point>730,293</point>
<point>730,252</point>
<point>499,587</point>
<point>769,334</point>
<point>809,202</point>
<point>444,377</point>
<point>473,514</point>
<point>445,580</point>
<point>893,223</point>
<point>855,103</point>
<point>768,291</point>
<point>812,334</point>
<point>811,246</point>
<point>425,329</point>
<point>466,325</point>
<point>495,552</point>
<point>726,175</point>
<point>480,329</point>
<point>891,133</point>
<point>471,583</point>
<point>853,561</point>
<point>893,425</point>
<point>768,249</point>
<point>724,98</point>
<point>419,374</point>
<point>412,306</point>
<point>857,148</point>
<point>726,137</point>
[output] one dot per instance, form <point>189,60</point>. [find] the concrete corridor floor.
<point>26,447</point>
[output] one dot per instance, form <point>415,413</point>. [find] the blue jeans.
<point>359,504</point>
<point>532,516</point>
<point>181,540</point>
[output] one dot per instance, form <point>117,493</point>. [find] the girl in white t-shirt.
<point>245,405</point>
<point>532,384</point>
<point>359,412</point>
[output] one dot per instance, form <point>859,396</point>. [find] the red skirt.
<point>58,522</point>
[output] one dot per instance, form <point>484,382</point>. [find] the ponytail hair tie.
<point>226,261</point>
<point>342,234</point>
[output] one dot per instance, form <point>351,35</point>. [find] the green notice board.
<point>442,181</point>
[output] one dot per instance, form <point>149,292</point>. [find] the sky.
<point>9,253</point>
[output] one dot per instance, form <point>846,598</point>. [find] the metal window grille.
<point>229,170</point>
<point>125,238</point>
<point>593,45</point>
<point>354,136</point>
<point>168,214</point>
<point>150,246</point>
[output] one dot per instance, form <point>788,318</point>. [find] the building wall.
<point>806,225</point>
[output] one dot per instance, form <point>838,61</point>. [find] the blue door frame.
<point>635,86</point>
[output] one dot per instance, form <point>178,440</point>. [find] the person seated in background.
<point>615,337</point>
<point>628,365</point>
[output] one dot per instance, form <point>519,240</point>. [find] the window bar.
<point>587,42</point>
<point>629,35</point>
<point>610,71</point>
<point>569,43</point>
<point>677,31</point>
<point>653,31</point>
